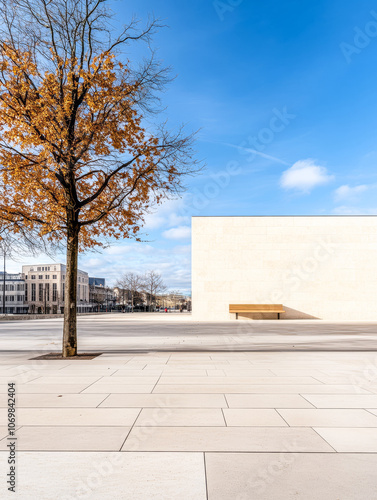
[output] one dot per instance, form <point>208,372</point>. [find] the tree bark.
<point>70,300</point>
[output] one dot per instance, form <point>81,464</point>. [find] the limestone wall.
<point>317,267</point>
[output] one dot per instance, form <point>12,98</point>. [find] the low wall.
<point>22,317</point>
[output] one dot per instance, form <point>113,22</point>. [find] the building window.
<point>33,277</point>
<point>54,277</point>
<point>47,292</point>
<point>25,292</point>
<point>38,269</point>
<point>54,292</point>
<point>47,277</point>
<point>33,295</point>
<point>40,277</point>
<point>63,292</point>
<point>40,292</point>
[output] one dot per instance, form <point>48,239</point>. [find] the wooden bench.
<point>256,308</point>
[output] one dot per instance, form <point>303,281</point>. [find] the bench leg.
<point>236,315</point>
<point>278,315</point>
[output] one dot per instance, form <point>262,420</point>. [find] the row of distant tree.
<point>148,288</point>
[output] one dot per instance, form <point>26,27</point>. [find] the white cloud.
<point>305,175</point>
<point>170,213</point>
<point>346,192</point>
<point>177,233</point>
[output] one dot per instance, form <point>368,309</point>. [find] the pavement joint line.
<point>222,411</point>
<point>226,400</point>
<point>155,385</point>
<point>368,410</point>
<point>129,432</point>
<point>103,400</point>
<point>324,438</point>
<point>277,411</point>
<point>205,473</point>
<point>198,452</point>
<point>323,383</point>
<point>90,384</point>
<point>36,378</point>
<point>309,401</point>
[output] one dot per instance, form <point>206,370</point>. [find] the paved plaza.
<point>185,423</point>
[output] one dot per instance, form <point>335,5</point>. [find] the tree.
<point>131,282</point>
<point>152,286</point>
<point>78,163</point>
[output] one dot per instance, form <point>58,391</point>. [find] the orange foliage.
<point>72,142</point>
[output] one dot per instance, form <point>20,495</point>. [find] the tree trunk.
<point>70,302</point>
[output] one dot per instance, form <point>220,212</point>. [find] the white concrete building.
<point>45,287</point>
<point>13,294</point>
<point>316,266</point>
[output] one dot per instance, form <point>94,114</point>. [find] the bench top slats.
<point>246,308</point>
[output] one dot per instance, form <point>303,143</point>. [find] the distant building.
<point>14,293</point>
<point>101,296</point>
<point>45,288</point>
<point>97,281</point>
<point>174,300</point>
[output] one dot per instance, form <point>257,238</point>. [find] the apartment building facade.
<point>12,294</point>
<point>45,289</point>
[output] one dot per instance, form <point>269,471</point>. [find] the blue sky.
<point>284,97</point>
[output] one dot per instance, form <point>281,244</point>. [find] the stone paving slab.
<point>47,388</point>
<point>77,416</point>
<point>288,476</point>
<point>239,380</point>
<point>165,401</point>
<point>59,438</point>
<point>55,400</point>
<point>109,476</point>
<point>119,388</point>
<point>258,389</point>
<point>267,401</point>
<point>342,401</point>
<point>350,439</point>
<point>255,417</point>
<point>241,439</point>
<point>328,418</point>
<point>176,417</point>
